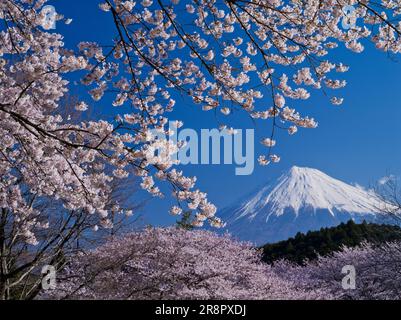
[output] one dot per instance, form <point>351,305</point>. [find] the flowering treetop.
<point>174,264</point>
<point>224,55</point>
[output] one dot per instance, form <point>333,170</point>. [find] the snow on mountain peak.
<point>302,194</point>
<point>306,187</point>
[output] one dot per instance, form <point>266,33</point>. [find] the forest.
<point>326,241</point>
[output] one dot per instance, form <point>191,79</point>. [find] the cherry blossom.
<point>377,273</point>
<point>258,58</point>
<point>261,59</point>
<point>173,264</point>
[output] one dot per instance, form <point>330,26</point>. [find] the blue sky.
<point>358,142</point>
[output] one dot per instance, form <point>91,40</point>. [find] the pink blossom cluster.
<point>223,55</point>
<point>173,264</point>
<point>179,264</point>
<point>377,272</point>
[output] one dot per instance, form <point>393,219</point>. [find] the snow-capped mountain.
<point>302,199</point>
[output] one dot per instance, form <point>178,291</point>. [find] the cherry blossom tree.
<point>232,55</point>
<point>226,56</point>
<point>229,56</point>
<point>66,232</point>
<point>173,263</point>
<point>377,273</point>
<point>41,152</point>
<point>181,264</point>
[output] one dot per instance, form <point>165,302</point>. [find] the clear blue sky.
<point>358,142</point>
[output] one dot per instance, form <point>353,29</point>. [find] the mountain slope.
<point>302,199</point>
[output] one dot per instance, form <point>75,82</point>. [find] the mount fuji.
<point>300,200</point>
